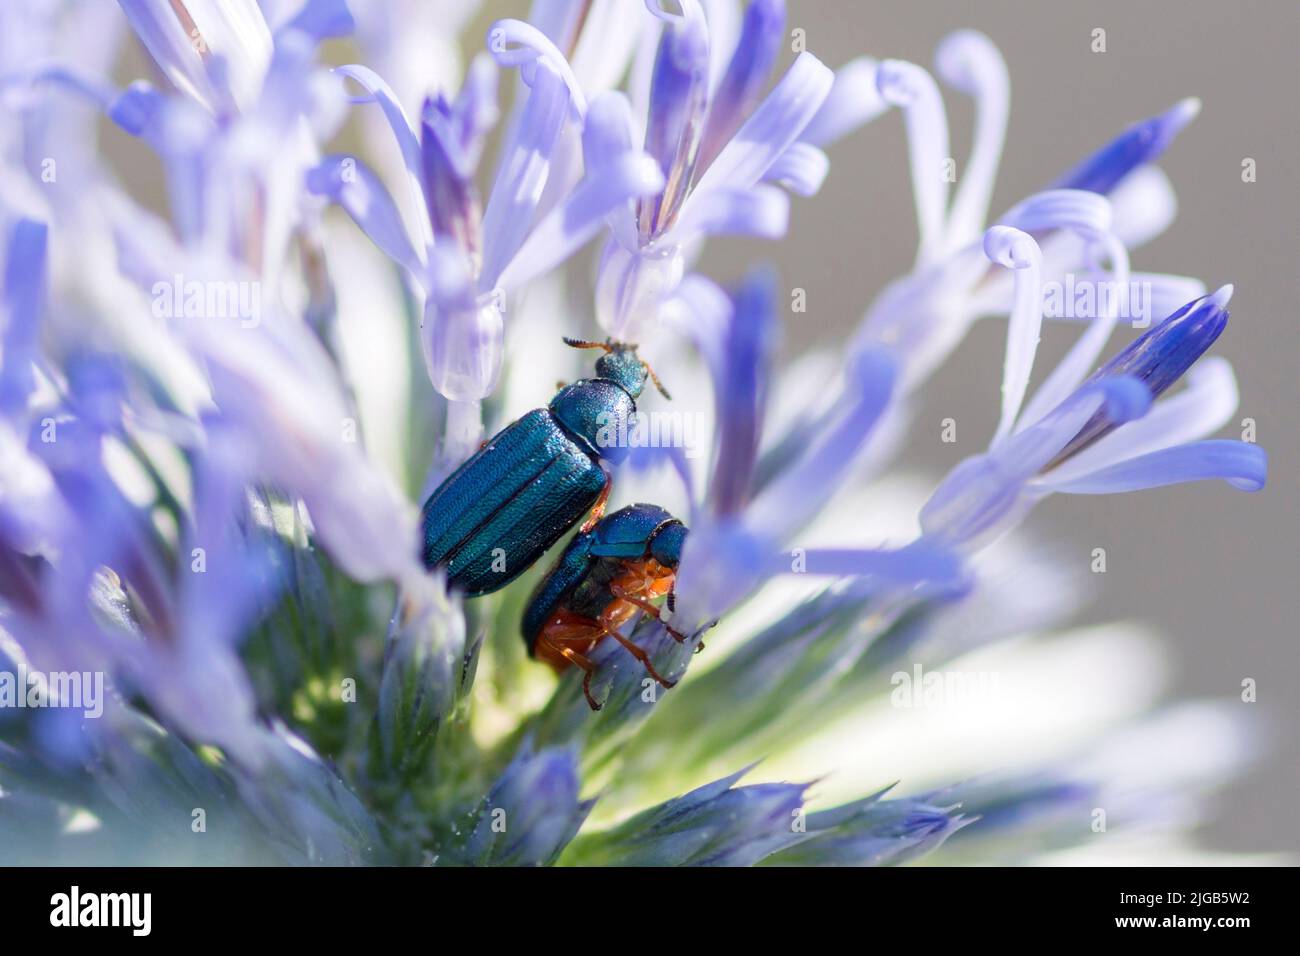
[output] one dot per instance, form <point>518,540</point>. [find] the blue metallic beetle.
<point>504,507</point>
<point>604,577</point>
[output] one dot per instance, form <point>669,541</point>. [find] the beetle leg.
<point>598,509</point>
<point>639,654</point>
<point>620,592</point>
<point>577,660</point>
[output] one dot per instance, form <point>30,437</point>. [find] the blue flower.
<point>720,147</point>
<point>467,259</point>
<point>530,814</point>
<point>1101,434</point>
<point>420,684</point>
<point>741,537</point>
<point>216,53</point>
<point>189,510</point>
<point>1114,198</point>
<point>875,832</point>
<point>718,824</point>
<point>237,135</point>
<point>719,144</point>
<point>32,516</point>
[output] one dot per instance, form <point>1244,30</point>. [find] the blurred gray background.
<point>1211,568</point>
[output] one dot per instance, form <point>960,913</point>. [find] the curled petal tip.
<point>899,82</point>
<point>1011,248</point>
<point>961,56</point>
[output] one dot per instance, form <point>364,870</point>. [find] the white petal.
<point>1017,251</point>
<point>911,88</point>
<point>852,102</point>
<point>761,211</point>
<point>408,144</point>
<point>565,230</point>
<point>801,169</point>
<point>969,61</point>
<point>1082,357</point>
<point>774,125</point>
<point>1145,205</point>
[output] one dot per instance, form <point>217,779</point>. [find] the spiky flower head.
<point>213,614</point>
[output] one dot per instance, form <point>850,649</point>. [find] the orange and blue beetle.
<point>606,575</point>
<point>531,482</point>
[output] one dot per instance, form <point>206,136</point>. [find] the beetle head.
<point>621,364</point>
<point>666,545</point>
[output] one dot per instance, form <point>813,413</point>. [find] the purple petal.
<point>701,311</point>
<point>912,89</point>
<point>987,494</point>
<point>453,204</point>
<point>1141,143</point>
<point>137,108</point>
<point>1199,410</point>
<point>565,230</point>
<point>759,211</point>
<point>852,102</point>
<point>451,141</point>
<point>518,44</point>
<point>678,100</point>
<point>1241,464</point>
<point>1159,358</point>
<point>321,19</point>
<point>608,130</point>
<point>408,143</point>
<point>969,61</point>
<point>524,171</point>
<point>921,562</point>
<point>797,493</point>
<point>607,135</point>
<point>1074,209</point>
<point>801,169</point>
<point>740,394</point>
<point>742,84</point>
<point>1070,372</point>
<point>538,795</point>
<point>1018,251</point>
<point>354,186</point>
<point>464,348</point>
<point>101,94</point>
<point>22,300</point>
<point>218,54</point>
<point>779,121</point>
<point>1113,399</point>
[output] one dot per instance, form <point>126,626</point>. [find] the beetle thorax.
<point>599,412</point>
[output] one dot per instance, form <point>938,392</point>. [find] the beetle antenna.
<point>655,378</point>
<point>584,344</point>
<point>611,346</point>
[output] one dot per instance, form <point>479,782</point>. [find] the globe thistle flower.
<point>192,511</point>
